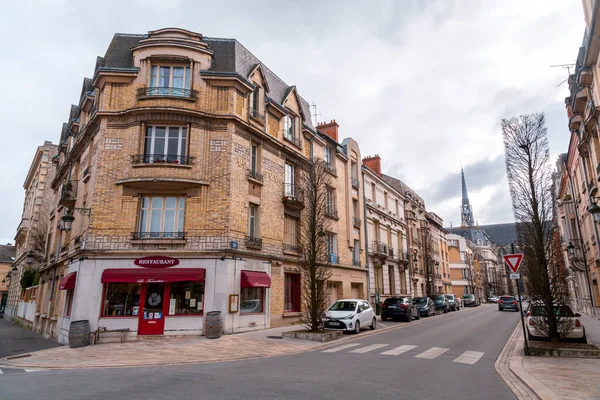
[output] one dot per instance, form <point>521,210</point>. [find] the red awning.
<point>68,281</point>
<point>155,275</point>
<point>255,279</point>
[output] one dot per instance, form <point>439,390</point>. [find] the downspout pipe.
<point>366,234</point>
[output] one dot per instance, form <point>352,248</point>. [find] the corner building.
<point>176,191</point>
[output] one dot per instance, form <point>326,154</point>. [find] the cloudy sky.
<point>422,83</point>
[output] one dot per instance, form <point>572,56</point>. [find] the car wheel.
<point>428,314</point>
<point>418,316</point>
<point>357,327</point>
<point>374,324</point>
<point>445,310</point>
<point>408,317</point>
<point>383,318</point>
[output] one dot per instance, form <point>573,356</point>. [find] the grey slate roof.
<point>6,252</point>
<point>475,234</point>
<point>230,56</point>
<point>502,234</point>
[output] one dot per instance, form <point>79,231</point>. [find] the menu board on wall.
<point>172,306</point>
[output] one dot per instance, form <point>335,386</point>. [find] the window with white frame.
<point>253,159</point>
<point>253,221</point>
<point>288,127</point>
<point>170,80</point>
<point>290,180</point>
<point>162,217</point>
<point>327,155</point>
<point>165,144</point>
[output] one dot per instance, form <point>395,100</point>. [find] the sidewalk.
<point>154,351</point>
<point>555,377</point>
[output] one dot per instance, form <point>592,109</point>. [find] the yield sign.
<point>513,261</point>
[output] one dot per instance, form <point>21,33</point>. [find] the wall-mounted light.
<point>29,257</point>
<point>571,248</point>
<point>68,218</point>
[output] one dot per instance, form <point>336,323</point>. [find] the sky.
<point>422,83</point>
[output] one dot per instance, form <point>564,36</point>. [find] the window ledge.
<point>53,318</point>
<point>249,314</point>
<point>292,314</point>
<point>291,253</point>
<point>255,181</point>
<point>166,96</point>
<point>158,241</point>
<point>161,165</point>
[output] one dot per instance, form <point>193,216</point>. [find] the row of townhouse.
<point>174,191</point>
<point>578,172</point>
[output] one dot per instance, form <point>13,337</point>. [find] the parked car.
<point>508,303</point>
<point>350,315</point>
<point>469,300</point>
<point>440,302</point>
<point>493,299</point>
<point>425,306</point>
<point>453,301</point>
<point>399,307</point>
<point>536,314</point>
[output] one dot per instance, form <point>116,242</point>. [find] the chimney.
<point>330,129</point>
<point>374,163</point>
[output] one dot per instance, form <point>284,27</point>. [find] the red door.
<point>152,317</point>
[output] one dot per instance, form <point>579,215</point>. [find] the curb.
<point>542,391</point>
<point>326,345</point>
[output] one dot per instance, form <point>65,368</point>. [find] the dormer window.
<point>168,80</point>
<point>255,106</point>
<point>288,128</point>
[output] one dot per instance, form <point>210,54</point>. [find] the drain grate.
<point>274,337</point>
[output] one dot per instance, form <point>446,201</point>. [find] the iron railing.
<point>391,252</point>
<point>255,175</point>
<point>68,193</point>
<point>295,140</point>
<point>331,168</point>
<point>333,258</point>
<point>158,235</point>
<point>161,159</point>
<point>292,247</point>
<point>331,211</point>
<point>355,262</point>
<point>146,92</point>
<point>380,248</point>
<point>255,114</point>
<point>64,248</point>
<point>253,242</point>
<point>354,183</point>
<point>291,191</point>
<point>356,222</point>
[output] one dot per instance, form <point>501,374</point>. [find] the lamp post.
<point>68,218</point>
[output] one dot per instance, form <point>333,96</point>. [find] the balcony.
<point>331,169</point>
<point>590,116</point>
<point>64,248</point>
<point>405,257</point>
<point>294,248</point>
<point>585,77</point>
<point>87,173</point>
<point>391,253</point>
<point>295,140</point>
<point>157,235</point>
<point>253,242</point>
<point>331,211</point>
<point>68,194</point>
<point>179,93</point>
<point>354,183</point>
<point>162,159</point>
<point>380,250</point>
<point>579,101</point>
<point>356,222</point>
<point>355,262</point>
<point>254,175</point>
<point>256,115</point>
<point>293,197</point>
<point>333,258</point>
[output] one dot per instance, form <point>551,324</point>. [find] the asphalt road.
<point>15,340</point>
<point>450,356</point>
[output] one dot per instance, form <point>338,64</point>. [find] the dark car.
<point>469,300</point>
<point>508,303</point>
<point>453,302</point>
<point>440,302</point>
<point>399,307</point>
<point>425,306</point>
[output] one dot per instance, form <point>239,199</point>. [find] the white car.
<point>537,311</point>
<point>350,315</point>
<point>493,299</point>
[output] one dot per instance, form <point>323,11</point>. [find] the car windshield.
<point>562,311</point>
<point>450,297</point>
<point>507,298</point>
<point>420,300</point>
<point>343,306</point>
<point>392,301</point>
<point>468,296</point>
<point>440,297</point>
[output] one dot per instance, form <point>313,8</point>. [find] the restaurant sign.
<point>156,262</point>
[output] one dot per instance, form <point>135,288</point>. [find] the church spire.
<point>466,213</point>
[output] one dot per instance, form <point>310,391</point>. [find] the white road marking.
<point>1,372</point>
<point>339,348</point>
<point>469,357</point>
<point>34,370</point>
<point>399,350</point>
<point>366,349</point>
<point>432,353</point>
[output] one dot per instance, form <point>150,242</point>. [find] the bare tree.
<point>470,274</point>
<point>314,238</point>
<point>530,180</point>
<point>427,249</point>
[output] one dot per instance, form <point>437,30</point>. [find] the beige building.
<point>177,193</point>
<point>435,224</point>
<point>7,256</point>
<point>30,239</point>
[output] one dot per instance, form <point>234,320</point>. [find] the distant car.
<point>399,307</point>
<point>425,306</point>
<point>440,302</point>
<point>453,301</point>
<point>536,313</point>
<point>493,299</point>
<point>469,300</point>
<point>350,315</point>
<point>508,303</point>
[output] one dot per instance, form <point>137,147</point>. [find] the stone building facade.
<point>7,256</point>
<point>435,224</point>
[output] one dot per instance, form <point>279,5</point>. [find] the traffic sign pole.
<point>514,262</point>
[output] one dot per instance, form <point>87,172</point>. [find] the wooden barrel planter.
<point>79,334</point>
<point>214,325</point>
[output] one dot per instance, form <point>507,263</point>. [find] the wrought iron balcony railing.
<point>68,193</point>
<point>356,222</point>
<point>293,196</point>
<point>253,242</point>
<point>292,247</point>
<point>333,258</point>
<point>146,92</point>
<point>255,175</point>
<point>254,114</point>
<point>331,168</point>
<point>295,140</point>
<point>158,235</point>
<point>331,211</point>
<point>380,249</point>
<point>354,183</point>
<point>356,262</point>
<point>161,159</point>
<point>391,252</point>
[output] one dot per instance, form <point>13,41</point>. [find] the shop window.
<point>186,298</point>
<point>292,293</point>
<point>162,217</point>
<point>165,144</point>
<point>121,300</point>
<point>251,300</point>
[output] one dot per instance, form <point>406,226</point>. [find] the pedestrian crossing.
<point>4,371</point>
<point>468,357</point>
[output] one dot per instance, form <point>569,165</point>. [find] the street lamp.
<point>571,248</point>
<point>29,257</point>
<point>68,218</point>
<point>595,211</point>
<point>3,281</point>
